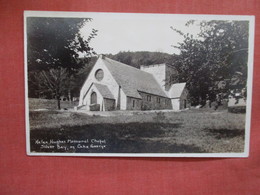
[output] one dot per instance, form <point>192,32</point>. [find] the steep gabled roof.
<point>132,79</point>
<point>105,92</point>
<point>176,90</point>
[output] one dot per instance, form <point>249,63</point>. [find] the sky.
<point>136,32</point>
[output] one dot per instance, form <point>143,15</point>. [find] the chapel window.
<point>148,98</point>
<point>93,98</point>
<point>99,74</point>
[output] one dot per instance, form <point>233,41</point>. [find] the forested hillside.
<point>136,59</point>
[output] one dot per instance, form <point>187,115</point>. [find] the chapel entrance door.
<point>184,104</point>
<point>93,98</point>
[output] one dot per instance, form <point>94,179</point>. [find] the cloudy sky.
<point>136,32</point>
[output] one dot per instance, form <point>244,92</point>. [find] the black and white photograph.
<point>140,85</point>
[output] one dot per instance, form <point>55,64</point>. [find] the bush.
<point>237,109</point>
<point>160,117</point>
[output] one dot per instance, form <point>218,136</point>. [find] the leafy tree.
<point>218,52</point>
<point>56,51</point>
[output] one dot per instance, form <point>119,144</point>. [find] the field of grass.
<point>191,131</point>
<point>49,104</point>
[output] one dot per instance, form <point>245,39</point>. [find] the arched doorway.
<point>93,98</point>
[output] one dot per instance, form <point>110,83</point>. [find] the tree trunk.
<point>58,102</point>
<point>69,96</point>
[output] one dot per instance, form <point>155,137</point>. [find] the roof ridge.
<point>134,68</point>
<point>179,83</point>
<point>126,65</point>
<point>155,64</point>
<point>132,79</point>
<point>121,63</point>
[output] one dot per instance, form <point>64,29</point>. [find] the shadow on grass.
<point>115,138</point>
<point>226,133</point>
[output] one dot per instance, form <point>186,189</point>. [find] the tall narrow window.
<point>93,98</point>
<point>133,103</point>
<point>148,98</point>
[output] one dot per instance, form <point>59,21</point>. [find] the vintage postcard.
<point>140,85</point>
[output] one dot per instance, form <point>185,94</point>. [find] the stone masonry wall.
<point>148,102</point>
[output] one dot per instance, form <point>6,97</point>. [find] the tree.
<point>56,51</point>
<point>217,53</point>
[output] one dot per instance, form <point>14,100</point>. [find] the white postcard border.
<point>251,20</point>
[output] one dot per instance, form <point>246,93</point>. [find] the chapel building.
<point>112,85</point>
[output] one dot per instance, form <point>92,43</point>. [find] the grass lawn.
<point>191,131</point>
<point>49,104</point>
